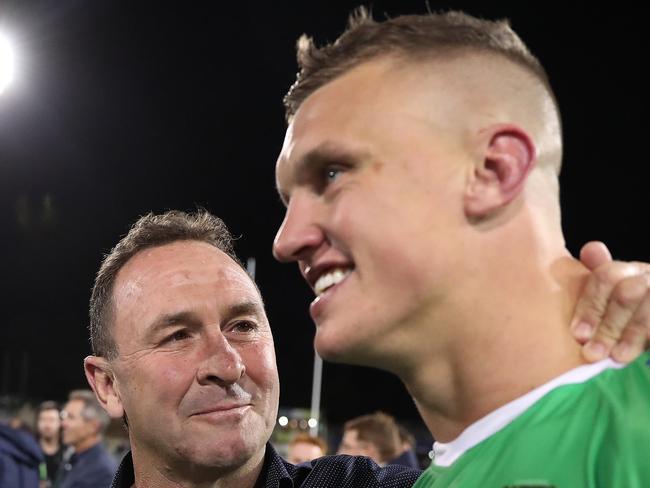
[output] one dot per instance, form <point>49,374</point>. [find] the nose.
<point>221,364</point>
<point>299,233</point>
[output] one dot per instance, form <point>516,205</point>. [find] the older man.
<point>420,174</point>
<point>86,464</point>
<point>184,353</point>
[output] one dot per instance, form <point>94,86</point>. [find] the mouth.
<point>330,278</point>
<point>221,413</point>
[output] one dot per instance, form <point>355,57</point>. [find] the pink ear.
<point>508,159</point>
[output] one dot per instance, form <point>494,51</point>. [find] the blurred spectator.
<point>304,447</point>
<point>86,464</point>
<point>375,436</point>
<point>406,456</point>
<point>48,431</point>
<point>20,458</point>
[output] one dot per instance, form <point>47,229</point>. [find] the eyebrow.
<point>327,152</point>
<point>246,307</point>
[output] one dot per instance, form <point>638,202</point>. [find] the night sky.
<point>121,108</point>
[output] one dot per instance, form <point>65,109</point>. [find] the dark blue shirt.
<point>328,471</point>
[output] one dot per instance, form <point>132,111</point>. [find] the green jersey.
<point>588,428</point>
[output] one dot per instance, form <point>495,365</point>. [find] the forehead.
<point>374,104</point>
<point>50,412</point>
<point>161,279</point>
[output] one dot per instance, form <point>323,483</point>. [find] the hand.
<point>612,316</point>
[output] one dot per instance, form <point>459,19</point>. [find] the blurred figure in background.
<point>407,445</point>
<point>20,456</point>
<point>374,435</point>
<point>304,448</point>
<point>48,432</point>
<point>86,464</point>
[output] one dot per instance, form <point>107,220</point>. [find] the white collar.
<point>445,454</point>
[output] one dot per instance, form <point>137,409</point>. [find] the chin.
<point>337,349</point>
<point>222,453</point>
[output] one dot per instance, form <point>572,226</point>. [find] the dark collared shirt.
<point>326,472</point>
<point>92,468</point>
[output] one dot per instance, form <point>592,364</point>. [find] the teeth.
<point>329,279</point>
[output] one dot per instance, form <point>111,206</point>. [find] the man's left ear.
<point>508,158</point>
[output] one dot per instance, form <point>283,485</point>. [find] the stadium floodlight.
<point>6,63</point>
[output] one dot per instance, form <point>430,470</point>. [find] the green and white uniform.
<point>588,428</point>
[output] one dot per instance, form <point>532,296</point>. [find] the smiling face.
<point>372,177</point>
<point>195,372</point>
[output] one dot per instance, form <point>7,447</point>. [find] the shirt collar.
<point>276,472</point>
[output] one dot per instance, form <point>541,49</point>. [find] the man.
<point>374,435</point>
<point>184,353</point>
<point>420,174</point>
<point>48,429</point>
<point>86,464</point>
<point>305,447</point>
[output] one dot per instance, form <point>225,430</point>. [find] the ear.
<point>508,156</point>
<point>102,380</point>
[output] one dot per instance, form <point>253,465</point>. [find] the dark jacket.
<point>20,457</point>
<point>325,472</point>
<point>93,468</point>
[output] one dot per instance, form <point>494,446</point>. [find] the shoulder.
<point>352,471</point>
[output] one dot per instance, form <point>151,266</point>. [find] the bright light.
<point>6,63</point>
<point>283,421</point>
<point>312,422</point>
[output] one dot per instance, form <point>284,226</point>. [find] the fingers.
<point>622,322</point>
<point>593,304</point>
<point>636,334</point>
<point>594,254</point>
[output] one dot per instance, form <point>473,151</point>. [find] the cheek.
<point>161,381</point>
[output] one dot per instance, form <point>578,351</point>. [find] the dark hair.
<point>47,405</point>
<point>149,231</point>
<point>380,429</point>
<point>410,37</point>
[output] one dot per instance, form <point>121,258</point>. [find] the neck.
<point>49,445</point>
<point>504,342</point>
<point>156,472</point>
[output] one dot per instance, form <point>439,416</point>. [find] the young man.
<point>420,174</point>
<point>48,430</point>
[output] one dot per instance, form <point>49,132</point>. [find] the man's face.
<point>49,424</point>
<point>369,173</point>
<point>353,446</point>
<point>77,430</point>
<point>195,372</point>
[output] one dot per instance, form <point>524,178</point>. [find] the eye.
<point>244,326</point>
<point>332,173</point>
<point>179,335</point>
